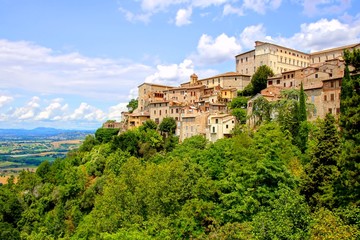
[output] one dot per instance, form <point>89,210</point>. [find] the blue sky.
<point>75,64</point>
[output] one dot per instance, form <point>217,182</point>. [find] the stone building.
<point>219,126</point>
<point>282,59</point>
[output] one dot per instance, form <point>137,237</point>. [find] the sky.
<point>75,64</point>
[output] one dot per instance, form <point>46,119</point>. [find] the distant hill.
<point>43,133</point>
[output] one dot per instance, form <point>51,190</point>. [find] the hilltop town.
<point>200,106</point>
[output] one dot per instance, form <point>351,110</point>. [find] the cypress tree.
<point>322,171</point>
<point>302,104</point>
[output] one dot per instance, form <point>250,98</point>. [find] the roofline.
<point>245,53</point>
<point>154,84</point>
<point>335,49</point>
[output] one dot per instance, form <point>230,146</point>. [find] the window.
<point>172,110</point>
<point>246,59</point>
<point>270,82</point>
<point>154,112</point>
<point>338,111</point>
<point>216,120</point>
<point>316,75</point>
<point>332,97</point>
<point>160,112</point>
<point>330,110</point>
<point>325,98</point>
<point>227,126</point>
<point>332,84</point>
<point>213,129</point>
<point>277,81</point>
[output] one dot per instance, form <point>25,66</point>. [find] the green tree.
<point>261,110</point>
<point>104,135</point>
<point>287,217</point>
<point>349,184</point>
<point>239,102</point>
<point>258,81</point>
<point>327,225</point>
<point>132,105</point>
<point>239,114</point>
<point>148,124</point>
<point>322,171</point>
<point>302,104</point>
<point>168,125</point>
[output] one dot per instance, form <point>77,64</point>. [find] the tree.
<point>262,109</point>
<point>168,125</point>
<point>258,81</point>
<point>302,104</point>
<point>104,135</point>
<point>349,184</point>
<point>239,102</point>
<point>148,124</point>
<point>239,114</point>
<point>132,105</point>
<point>288,217</point>
<point>322,171</point>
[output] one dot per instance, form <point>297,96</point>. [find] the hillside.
<point>285,179</point>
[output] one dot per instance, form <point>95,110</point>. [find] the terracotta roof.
<point>313,86</point>
<point>335,49</point>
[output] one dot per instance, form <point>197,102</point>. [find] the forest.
<point>287,178</point>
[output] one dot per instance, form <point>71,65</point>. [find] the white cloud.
<point>5,100</point>
<point>30,67</point>
<point>251,34</point>
<point>87,112</point>
<point>208,3</point>
<point>132,17</point>
<point>229,9</point>
<point>28,111</point>
<point>185,8</point>
<point>54,111</point>
<point>213,51</point>
<point>323,34</point>
<point>115,111</point>
<point>261,6</point>
<point>325,7</point>
<point>172,74</point>
<point>183,17</point>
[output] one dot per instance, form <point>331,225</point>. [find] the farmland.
<point>25,150</point>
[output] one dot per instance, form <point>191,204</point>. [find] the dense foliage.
<point>142,184</point>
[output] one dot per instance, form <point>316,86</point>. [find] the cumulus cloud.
<point>213,51</point>
<point>115,111</point>
<point>172,74</point>
<point>87,112</point>
<point>323,34</point>
<point>28,111</point>
<point>5,100</point>
<point>251,34</point>
<point>321,7</point>
<point>183,17</point>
